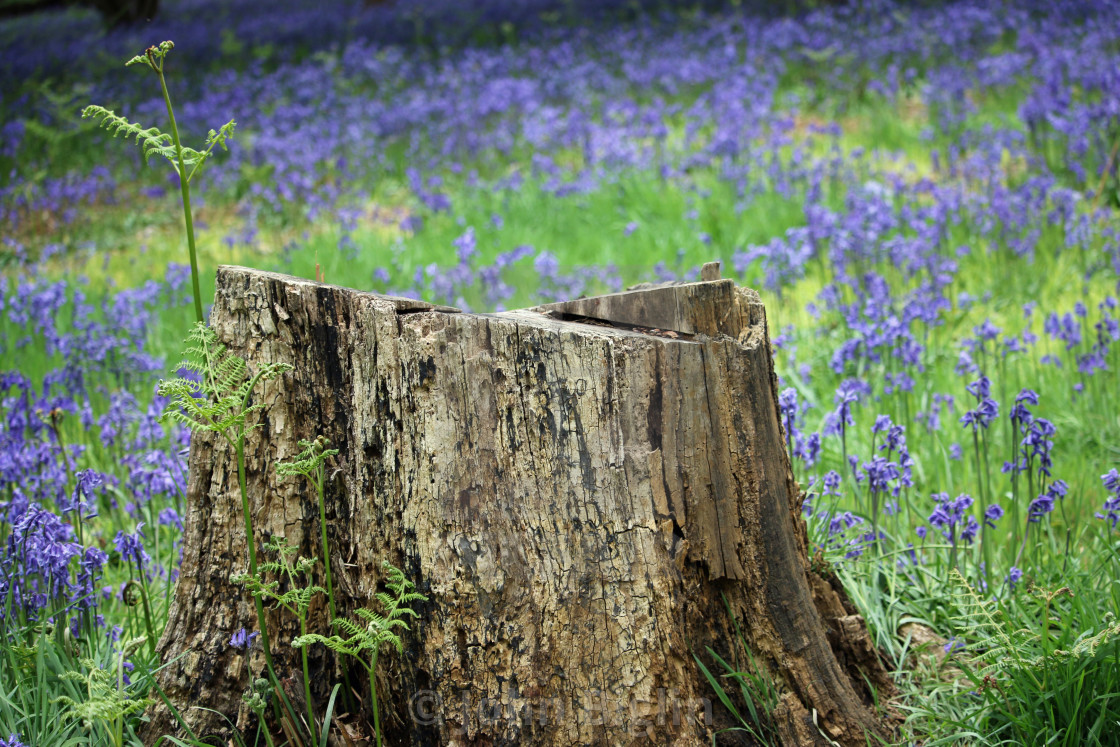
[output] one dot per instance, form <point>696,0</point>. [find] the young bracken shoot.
<point>106,703</point>
<point>311,464</point>
<point>295,600</point>
<point>363,640</point>
<point>186,161</point>
<point>218,401</point>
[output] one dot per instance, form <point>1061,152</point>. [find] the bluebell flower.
<point>89,573</point>
<point>87,480</point>
<point>466,246</point>
<point>787,406</point>
<point>1044,503</point>
<point>35,570</point>
<point>980,388</point>
<point>831,483</point>
<point>840,522</point>
<point>242,639</point>
<point>885,475</point>
<point>882,424</point>
<point>131,548</point>
<point>808,448</point>
<point>986,331</point>
<point>850,391</point>
<point>1111,481</point>
<point>1066,329</point>
<point>168,517</point>
<point>953,518</point>
<point>986,411</point>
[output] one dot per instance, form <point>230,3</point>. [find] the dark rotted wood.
<point>577,488</point>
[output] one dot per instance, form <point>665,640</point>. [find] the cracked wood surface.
<point>576,500</point>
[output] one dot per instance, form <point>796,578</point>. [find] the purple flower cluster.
<point>79,410</point>
<point>1111,481</point>
<point>951,516</point>
<point>986,410</point>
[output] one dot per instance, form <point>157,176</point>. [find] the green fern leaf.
<point>220,401</point>
<point>150,139</point>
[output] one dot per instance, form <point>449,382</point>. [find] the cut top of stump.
<point>712,309</point>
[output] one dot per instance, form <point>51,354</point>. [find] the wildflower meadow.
<point>926,195</point>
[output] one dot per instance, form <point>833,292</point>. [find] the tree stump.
<point>589,493</point>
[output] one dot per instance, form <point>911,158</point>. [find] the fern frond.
<point>151,141</point>
<point>222,136</point>
<point>104,701</point>
<point>980,619</point>
<point>370,616</point>
<point>218,402</point>
<point>219,138</point>
<point>346,647</point>
<point>309,461</point>
<point>348,627</point>
<point>334,643</point>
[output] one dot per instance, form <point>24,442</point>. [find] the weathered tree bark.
<point>578,488</point>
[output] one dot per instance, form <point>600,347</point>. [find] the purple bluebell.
<point>242,639</point>
<point>952,517</point>
<point>808,448</point>
<point>131,547</point>
<point>1044,503</point>
<point>1111,513</point>
<point>168,517</point>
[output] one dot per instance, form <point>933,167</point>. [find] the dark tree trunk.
<point>114,12</point>
<point>578,488</point>
<point>125,12</point>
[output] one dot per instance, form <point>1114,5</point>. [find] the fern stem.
<point>306,677</point>
<point>348,692</point>
<point>373,695</point>
<point>267,735</point>
<point>118,723</point>
<point>185,190</point>
<point>250,540</point>
<point>323,537</point>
